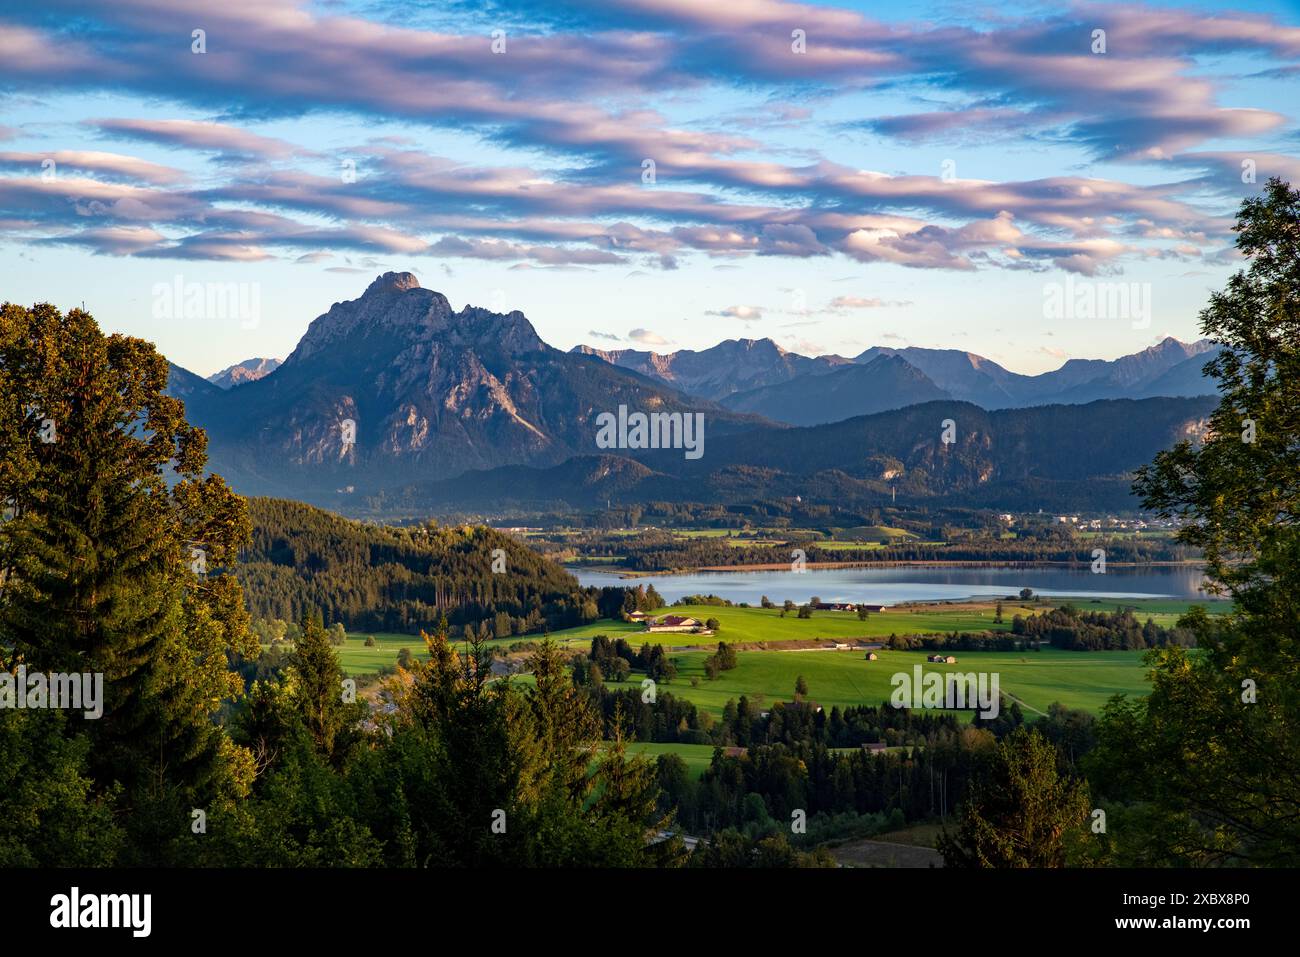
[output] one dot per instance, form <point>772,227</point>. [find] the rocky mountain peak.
<point>510,332</point>
<point>393,307</point>
<point>250,370</point>
<point>391,282</point>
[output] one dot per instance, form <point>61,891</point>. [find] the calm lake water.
<point>890,586</point>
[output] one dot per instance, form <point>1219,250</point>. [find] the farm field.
<point>744,625</point>
<point>697,756</point>
<point>1038,678</point>
<point>749,625</point>
<point>357,659</point>
<point>845,546</point>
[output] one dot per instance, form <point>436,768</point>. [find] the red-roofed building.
<point>673,623</point>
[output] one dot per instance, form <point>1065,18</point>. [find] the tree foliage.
<point>1213,755</point>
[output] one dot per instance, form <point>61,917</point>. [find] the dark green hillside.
<point>1049,457</point>
<point>379,578</point>
<point>1105,438</point>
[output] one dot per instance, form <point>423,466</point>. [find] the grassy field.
<point>840,546</point>
<point>1164,611</point>
<point>745,625</point>
<point>697,756</point>
<point>1037,678</point>
<point>750,625</point>
<point>357,659</point>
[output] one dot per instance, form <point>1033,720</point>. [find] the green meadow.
<point>746,625</point>
<point>752,625</point>
<point>1038,678</point>
<point>697,756</point>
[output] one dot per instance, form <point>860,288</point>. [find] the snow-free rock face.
<point>724,372</point>
<point>250,370</point>
<point>395,308</point>
<point>396,385</point>
<point>734,365</point>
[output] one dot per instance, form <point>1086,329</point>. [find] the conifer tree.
<point>111,556</point>
<point>1023,813</point>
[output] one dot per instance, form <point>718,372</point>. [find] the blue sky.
<point>917,176</point>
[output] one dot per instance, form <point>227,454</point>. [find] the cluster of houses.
<point>846,606</point>
<point>931,658</point>
<point>1096,524</point>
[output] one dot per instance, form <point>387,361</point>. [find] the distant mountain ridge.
<point>734,365</point>
<point>250,370</point>
<point>802,391</point>
<point>1049,457</point>
<point>886,382</point>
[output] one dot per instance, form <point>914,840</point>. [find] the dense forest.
<point>1075,630</point>
<point>382,578</point>
<point>667,554</point>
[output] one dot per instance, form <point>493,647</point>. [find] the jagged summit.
<point>733,365</point>
<point>396,312</point>
<point>429,392</point>
<point>391,282</point>
<point>250,370</point>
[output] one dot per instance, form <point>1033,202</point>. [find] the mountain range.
<point>757,375</point>
<point>734,365</point>
<point>250,370</point>
<point>394,397</point>
<point>1051,457</point>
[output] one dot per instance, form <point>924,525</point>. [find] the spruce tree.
<point>1023,813</point>
<point>111,553</point>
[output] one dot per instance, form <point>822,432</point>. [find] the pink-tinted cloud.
<point>198,135</point>
<point>647,338</point>
<point>110,165</point>
<point>580,94</point>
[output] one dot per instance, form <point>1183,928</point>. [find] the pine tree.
<point>1022,814</point>
<point>318,690</point>
<point>105,568</point>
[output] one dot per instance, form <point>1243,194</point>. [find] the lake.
<point>892,585</point>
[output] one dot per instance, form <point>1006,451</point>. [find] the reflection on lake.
<point>892,585</point>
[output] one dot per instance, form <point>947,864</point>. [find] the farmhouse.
<point>673,623</point>
<point>942,659</point>
<point>846,606</point>
<point>875,747</point>
<point>872,656</point>
<point>812,706</point>
<point>637,616</point>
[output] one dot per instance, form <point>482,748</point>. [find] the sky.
<point>650,174</point>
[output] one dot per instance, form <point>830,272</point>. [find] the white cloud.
<point>647,338</point>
